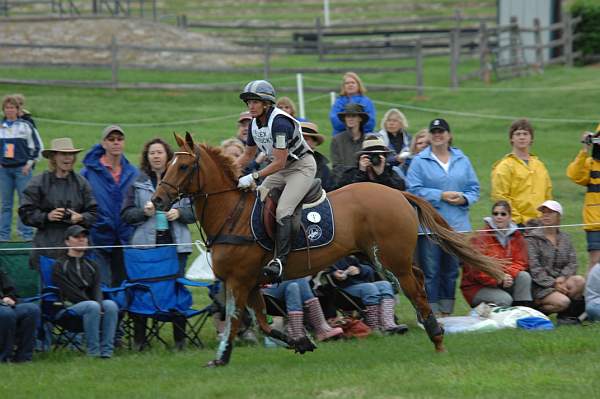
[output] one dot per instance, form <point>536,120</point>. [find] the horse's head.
<point>182,177</point>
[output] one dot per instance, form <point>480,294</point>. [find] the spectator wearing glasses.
<point>500,239</point>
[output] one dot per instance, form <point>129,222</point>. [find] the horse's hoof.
<point>303,345</point>
<point>215,363</point>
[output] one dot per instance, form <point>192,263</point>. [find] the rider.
<point>292,164</point>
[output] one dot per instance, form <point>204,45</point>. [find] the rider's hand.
<point>246,181</point>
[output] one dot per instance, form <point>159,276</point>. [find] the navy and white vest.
<point>263,137</point>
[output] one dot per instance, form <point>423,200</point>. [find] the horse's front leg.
<point>235,301</point>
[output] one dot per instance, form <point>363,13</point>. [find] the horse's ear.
<point>189,140</point>
<point>179,140</point>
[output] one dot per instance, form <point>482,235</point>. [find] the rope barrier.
<point>193,243</point>
<point>485,116</point>
<point>476,89</point>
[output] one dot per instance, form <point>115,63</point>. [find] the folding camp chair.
<point>155,291</point>
<point>333,298</point>
<point>14,259</point>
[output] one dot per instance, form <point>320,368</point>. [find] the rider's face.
<point>256,107</point>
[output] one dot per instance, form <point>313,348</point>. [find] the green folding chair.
<point>14,259</point>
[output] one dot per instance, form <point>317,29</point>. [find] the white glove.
<point>245,181</point>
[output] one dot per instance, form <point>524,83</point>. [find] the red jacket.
<point>515,252</point>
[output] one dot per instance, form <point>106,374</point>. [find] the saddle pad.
<point>317,221</point>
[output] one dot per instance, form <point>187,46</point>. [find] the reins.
<point>233,216</point>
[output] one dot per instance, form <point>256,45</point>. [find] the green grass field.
<point>506,364</point>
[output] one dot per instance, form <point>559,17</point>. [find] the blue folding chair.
<point>155,291</point>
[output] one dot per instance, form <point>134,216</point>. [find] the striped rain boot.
<point>323,331</point>
<point>372,317</point>
<point>386,314</point>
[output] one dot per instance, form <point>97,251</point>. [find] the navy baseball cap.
<point>439,123</point>
<point>75,230</point>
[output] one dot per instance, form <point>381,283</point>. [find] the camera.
<point>375,158</point>
<point>589,139</point>
<point>67,213</point>
<point>404,155</point>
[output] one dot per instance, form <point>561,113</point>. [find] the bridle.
<point>199,194</point>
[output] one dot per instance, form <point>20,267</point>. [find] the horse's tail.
<point>455,243</point>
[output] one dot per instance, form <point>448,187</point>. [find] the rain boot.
<point>372,317</point>
<point>274,269</point>
<point>386,314</point>
<point>323,331</point>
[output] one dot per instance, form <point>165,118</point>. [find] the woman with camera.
<point>57,199</point>
<point>373,166</point>
<point>585,171</point>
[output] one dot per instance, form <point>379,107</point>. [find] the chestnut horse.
<point>372,219</point>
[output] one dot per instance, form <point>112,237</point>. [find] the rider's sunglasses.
<point>499,213</point>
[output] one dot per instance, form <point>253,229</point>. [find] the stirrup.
<point>269,270</point>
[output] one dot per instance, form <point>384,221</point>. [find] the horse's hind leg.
<point>236,296</point>
<point>413,286</point>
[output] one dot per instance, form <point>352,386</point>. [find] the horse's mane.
<point>227,163</point>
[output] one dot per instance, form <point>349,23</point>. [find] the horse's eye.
<point>183,167</point>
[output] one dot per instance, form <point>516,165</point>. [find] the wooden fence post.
<point>454,57</point>
<point>267,60</point>
<point>484,53</point>
<point>539,46</point>
<point>114,62</point>
<point>513,45</point>
<point>319,38</point>
<point>568,39</point>
<point>154,16</point>
<point>419,66</point>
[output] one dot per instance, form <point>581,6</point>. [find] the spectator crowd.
<point>108,204</point>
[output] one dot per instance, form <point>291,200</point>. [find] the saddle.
<point>315,194</point>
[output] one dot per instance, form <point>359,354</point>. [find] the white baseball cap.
<point>552,205</point>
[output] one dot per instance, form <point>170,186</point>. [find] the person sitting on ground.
<point>500,239</point>
<point>592,293</point>
<point>357,279</point>
<point>394,134</point>
<point>352,91</point>
<point>310,132</point>
<point>520,177</point>
<point>372,166</point>
<point>78,281</point>
<point>348,143</point>
<point>553,265</point>
<point>297,296</point>
<point>18,323</point>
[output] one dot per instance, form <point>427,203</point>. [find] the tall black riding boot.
<point>283,244</point>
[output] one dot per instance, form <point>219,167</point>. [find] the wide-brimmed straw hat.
<point>374,144</point>
<point>312,130</point>
<point>353,109</point>
<point>63,144</point>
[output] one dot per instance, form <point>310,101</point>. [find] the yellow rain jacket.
<point>585,170</point>
<point>524,185</point>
